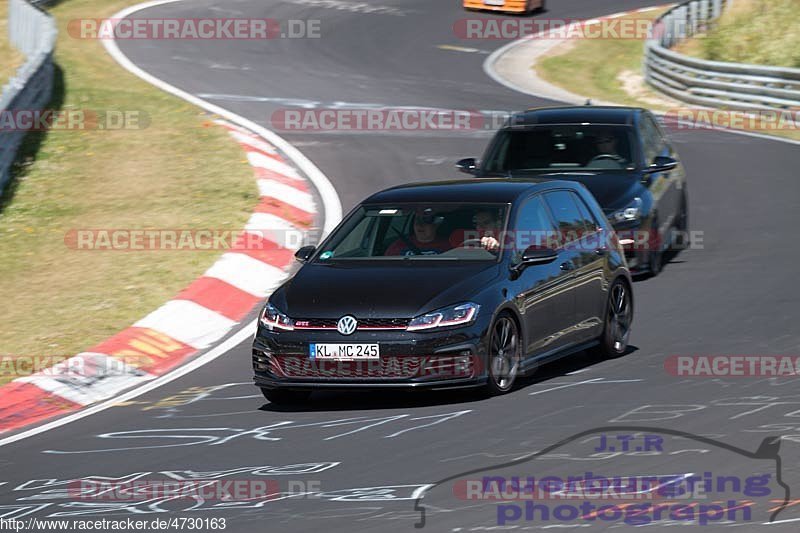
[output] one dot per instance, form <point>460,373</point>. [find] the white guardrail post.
<point>736,86</point>
<point>32,32</point>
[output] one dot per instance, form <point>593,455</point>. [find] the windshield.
<point>419,231</point>
<point>561,147</point>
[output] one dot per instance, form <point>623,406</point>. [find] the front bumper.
<point>637,243</point>
<point>408,360</point>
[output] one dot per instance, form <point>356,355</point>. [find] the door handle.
<point>567,266</point>
<point>601,251</point>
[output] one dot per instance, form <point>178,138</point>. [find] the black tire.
<point>285,397</point>
<point>531,10</point>
<point>617,321</point>
<point>681,240</point>
<point>503,357</point>
<point>655,258</point>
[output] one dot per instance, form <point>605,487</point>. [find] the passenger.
<point>486,234</point>
<point>488,226</point>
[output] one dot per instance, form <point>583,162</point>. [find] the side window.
<point>495,160</point>
<point>590,223</point>
<point>534,227</point>
<point>357,242</point>
<point>663,141</point>
<point>651,139</point>
<point>566,214</point>
<point>389,230</point>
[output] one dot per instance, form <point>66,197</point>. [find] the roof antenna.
<point>588,101</point>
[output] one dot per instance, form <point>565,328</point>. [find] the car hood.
<point>396,289</point>
<point>613,190</point>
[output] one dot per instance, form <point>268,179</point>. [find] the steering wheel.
<point>479,244</point>
<point>472,242</point>
<point>599,157</point>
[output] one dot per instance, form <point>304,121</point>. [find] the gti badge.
<point>346,325</point>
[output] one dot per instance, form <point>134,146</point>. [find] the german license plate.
<point>344,352</point>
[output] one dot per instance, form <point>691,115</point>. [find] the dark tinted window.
<point>566,213</point>
<point>560,146</point>
<point>534,226</point>
<point>651,139</point>
<point>533,216</point>
<point>417,231</point>
<point>590,223</point>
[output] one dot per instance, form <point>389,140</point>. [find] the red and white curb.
<point>199,316</point>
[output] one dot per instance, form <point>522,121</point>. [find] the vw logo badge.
<point>346,325</point>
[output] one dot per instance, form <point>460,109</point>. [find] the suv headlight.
<point>273,318</point>
<point>447,316</point>
<point>630,212</point>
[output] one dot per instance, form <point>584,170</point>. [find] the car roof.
<point>587,114</point>
<point>482,190</point>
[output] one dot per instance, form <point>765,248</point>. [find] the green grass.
<point>762,32</point>
<point>591,67</point>
<point>11,57</point>
<point>595,68</point>
<point>179,172</point>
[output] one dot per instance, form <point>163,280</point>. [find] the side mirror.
<point>468,165</point>
<point>535,255</point>
<point>304,253</point>
<point>662,163</point>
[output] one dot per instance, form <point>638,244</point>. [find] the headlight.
<point>631,211</point>
<point>273,318</point>
<point>447,316</point>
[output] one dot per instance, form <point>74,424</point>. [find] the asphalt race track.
<point>366,456</point>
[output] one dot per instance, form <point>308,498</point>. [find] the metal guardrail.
<point>736,86</point>
<point>32,32</point>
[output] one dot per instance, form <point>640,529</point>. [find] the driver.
<point>607,151</point>
<point>606,144</point>
<point>425,240</point>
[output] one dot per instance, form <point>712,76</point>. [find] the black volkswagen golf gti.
<point>447,284</point>
<point>620,153</point>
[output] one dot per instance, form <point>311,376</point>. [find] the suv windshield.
<point>594,147</point>
<point>425,231</point>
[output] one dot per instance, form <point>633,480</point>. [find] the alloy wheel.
<point>504,353</point>
<point>619,317</point>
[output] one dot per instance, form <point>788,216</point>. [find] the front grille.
<point>363,323</point>
<point>384,368</point>
<point>392,367</point>
<point>265,363</point>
